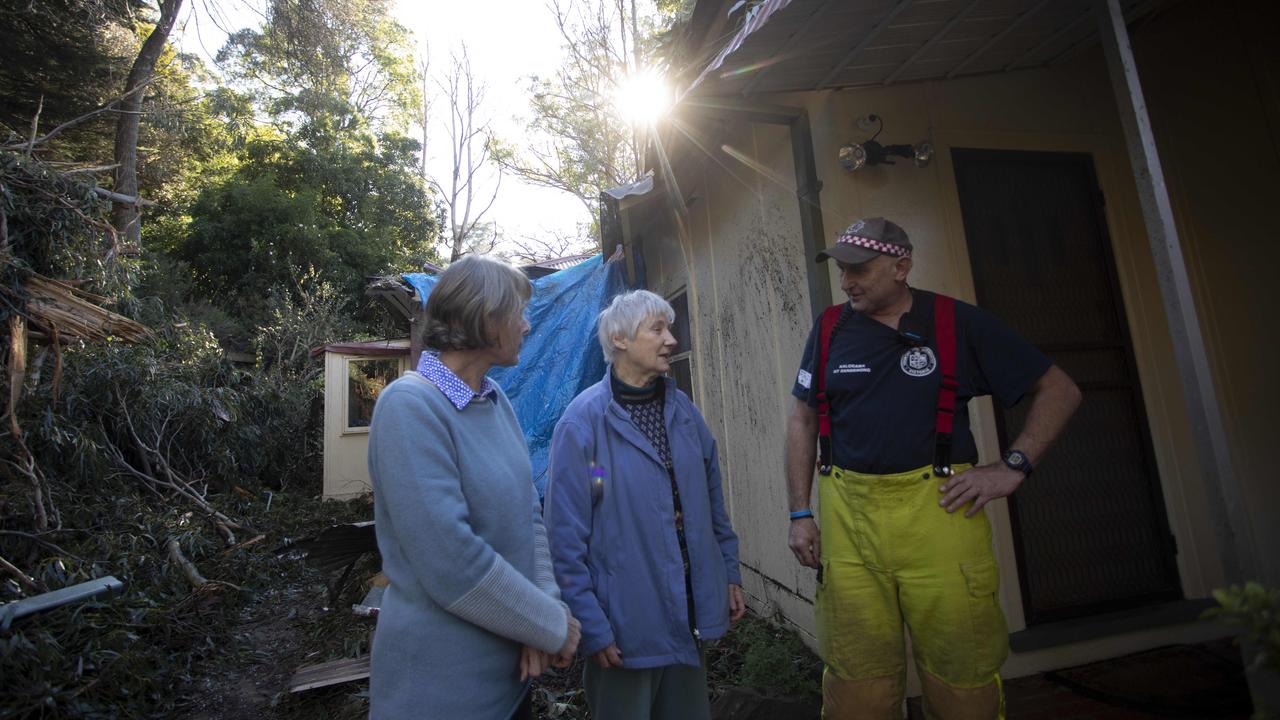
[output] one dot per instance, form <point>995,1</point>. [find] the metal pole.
<point>1226,501</point>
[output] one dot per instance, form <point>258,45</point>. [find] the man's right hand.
<point>806,542</point>
<point>571,642</point>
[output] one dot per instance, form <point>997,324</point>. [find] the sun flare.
<point>643,98</point>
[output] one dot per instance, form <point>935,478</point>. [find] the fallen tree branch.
<point>227,536</point>
<point>22,577</point>
<point>25,462</point>
<point>110,106</point>
<point>188,568</point>
<point>35,125</point>
<point>123,199</point>
<point>174,482</point>
<point>251,541</point>
<point>41,541</point>
<point>154,484</point>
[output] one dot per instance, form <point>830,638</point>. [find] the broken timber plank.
<point>330,673</point>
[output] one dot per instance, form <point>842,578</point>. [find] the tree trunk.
<point>124,216</point>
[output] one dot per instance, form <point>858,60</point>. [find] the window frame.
<point>684,351</point>
<point>347,427</point>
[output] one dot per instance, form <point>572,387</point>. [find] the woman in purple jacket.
<point>640,540</point>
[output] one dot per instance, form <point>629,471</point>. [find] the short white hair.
<point>625,314</point>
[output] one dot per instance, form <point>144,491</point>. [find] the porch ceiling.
<point>800,45</point>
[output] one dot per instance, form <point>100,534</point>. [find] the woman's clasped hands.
<point>534,661</point>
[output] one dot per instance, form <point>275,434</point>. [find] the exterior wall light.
<point>855,156</point>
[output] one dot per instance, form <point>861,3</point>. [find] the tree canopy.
<point>335,64</point>
<point>343,208</point>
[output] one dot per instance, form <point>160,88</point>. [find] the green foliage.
<point>577,139</point>
<point>121,421</point>
<point>56,227</point>
<point>765,656</point>
<point>65,58</point>
<point>147,652</point>
<point>328,64</point>
<point>344,209</point>
<point>190,134</point>
<point>320,316</point>
<point>1255,610</point>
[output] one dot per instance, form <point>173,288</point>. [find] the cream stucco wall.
<point>741,257</point>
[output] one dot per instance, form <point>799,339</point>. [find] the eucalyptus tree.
<point>336,65</point>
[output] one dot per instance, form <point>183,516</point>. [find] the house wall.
<point>751,314</point>
<point>1216,114</point>
<point>346,450</point>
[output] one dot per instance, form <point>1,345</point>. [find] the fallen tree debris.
<point>329,673</point>
<point>188,568</point>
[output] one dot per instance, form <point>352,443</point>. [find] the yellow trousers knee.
<point>892,555</point>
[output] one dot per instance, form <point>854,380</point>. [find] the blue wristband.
<point>799,514</point>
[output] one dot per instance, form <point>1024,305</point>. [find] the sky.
<point>507,41</point>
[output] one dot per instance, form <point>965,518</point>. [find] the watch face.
<point>1016,458</point>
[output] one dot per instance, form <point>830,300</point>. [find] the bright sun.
<point>643,98</point>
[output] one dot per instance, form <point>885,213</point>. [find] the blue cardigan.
<point>462,541</point>
<point>611,524</point>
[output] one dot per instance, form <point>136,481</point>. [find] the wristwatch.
<point>1018,460</point>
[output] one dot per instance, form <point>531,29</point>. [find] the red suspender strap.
<point>829,318</point>
<point>944,333</point>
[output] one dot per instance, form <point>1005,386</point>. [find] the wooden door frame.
<point>1198,563</point>
<point>1168,546</point>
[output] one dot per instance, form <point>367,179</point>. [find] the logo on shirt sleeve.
<point>918,361</point>
<point>804,379</point>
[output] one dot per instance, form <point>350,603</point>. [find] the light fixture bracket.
<point>869,153</point>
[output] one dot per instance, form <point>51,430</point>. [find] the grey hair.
<point>470,301</point>
<point>623,317</point>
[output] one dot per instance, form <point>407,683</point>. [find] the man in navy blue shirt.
<point>893,546</point>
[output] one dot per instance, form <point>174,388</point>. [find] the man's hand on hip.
<point>980,485</point>
<point>806,542</point>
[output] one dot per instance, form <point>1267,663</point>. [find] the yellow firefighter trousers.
<point>892,554</point>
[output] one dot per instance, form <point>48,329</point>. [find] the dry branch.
<point>251,541</point>
<point>124,199</point>
<point>225,532</point>
<point>152,479</point>
<point>17,369</point>
<point>22,577</point>
<point>188,568</point>
<point>41,541</point>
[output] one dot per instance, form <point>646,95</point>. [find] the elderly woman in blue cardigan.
<point>640,539</point>
<point>472,611</point>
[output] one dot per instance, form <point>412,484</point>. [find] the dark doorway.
<point>1090,529</point>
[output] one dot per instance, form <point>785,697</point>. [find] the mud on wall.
<point>743,265</point>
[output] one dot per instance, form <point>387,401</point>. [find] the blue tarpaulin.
<point>560,356</point>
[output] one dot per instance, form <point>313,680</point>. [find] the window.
<point>682,360</point>
<point>365,379</point>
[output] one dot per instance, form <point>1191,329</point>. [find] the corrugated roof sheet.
<point>798,45</point>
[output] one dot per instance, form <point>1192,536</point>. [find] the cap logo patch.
<point>918,361</point>
<point>886,248</point>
